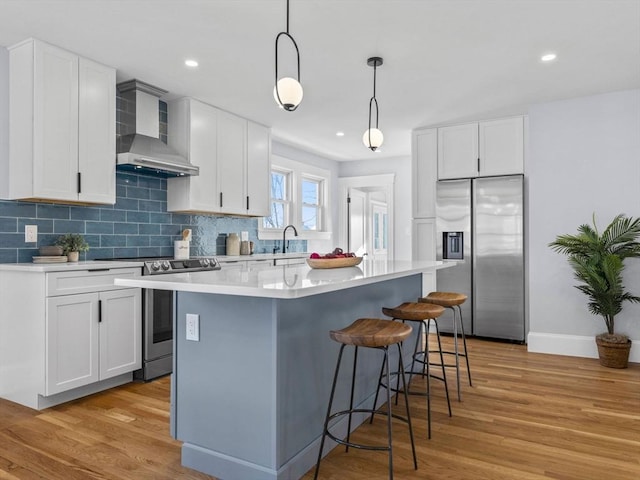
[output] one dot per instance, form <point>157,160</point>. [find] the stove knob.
<point>165,265</point>
<point>204,262</point>
<point>155,266</point>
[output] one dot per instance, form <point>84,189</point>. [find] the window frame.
<point>287,200</point>
<point>320,206</point>
<point>297,172</point>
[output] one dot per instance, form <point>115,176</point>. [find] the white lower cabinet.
<point>77,334</point>
<point>92,337</point>
<point>71,342</point>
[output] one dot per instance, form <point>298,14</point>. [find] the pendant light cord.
<point>287,17</point>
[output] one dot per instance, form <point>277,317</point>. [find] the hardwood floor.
<point>527,417</point>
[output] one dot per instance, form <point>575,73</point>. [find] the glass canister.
<point>233,244</point>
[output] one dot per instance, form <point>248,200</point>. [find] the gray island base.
<point>249,398</point>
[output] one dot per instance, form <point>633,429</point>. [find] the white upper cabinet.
<point>62,126</point>
<point>232,154</point>
<point>501,146</point>
<point>234,159</point>
<point>481,149</point>
<point>258,170</point>
<point>192,126</point>
<point>96,132</point>
<point>425,172</point>
<point>458,151</point>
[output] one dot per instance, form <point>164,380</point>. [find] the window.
<point>299,193</point>
<point>280,198</point>
<point>311,204</point>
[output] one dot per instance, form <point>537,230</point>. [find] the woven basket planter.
<point>613,355</point>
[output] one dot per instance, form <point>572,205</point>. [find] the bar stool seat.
<point>377,334</point>
<point>453,301</point>
<point>425,313</point>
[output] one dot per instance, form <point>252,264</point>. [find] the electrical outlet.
<point>193,327</point>
<point>30,233</point>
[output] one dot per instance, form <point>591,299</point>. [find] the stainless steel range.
<point>157,313</point>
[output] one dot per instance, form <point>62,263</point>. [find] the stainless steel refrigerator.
<point>480,221</point>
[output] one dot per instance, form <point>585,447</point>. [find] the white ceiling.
<point>445,61</point>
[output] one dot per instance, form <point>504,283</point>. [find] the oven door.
<point>158,324</point>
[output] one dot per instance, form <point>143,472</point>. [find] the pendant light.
<point>287,91</point>
<point>373,137</point>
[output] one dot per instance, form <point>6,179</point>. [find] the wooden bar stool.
<point>452,301</point>
<point>424,313</point>
<point>378,334</point>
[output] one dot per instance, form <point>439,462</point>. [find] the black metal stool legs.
<point>351,410</point>
<point>457,321</point>
<point>464,342</point>
<point>327,417</point>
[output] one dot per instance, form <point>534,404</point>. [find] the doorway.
<point>366,215</point>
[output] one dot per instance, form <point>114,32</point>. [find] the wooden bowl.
<point>333,262</point>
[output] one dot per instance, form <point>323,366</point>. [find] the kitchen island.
<point>249,396</point>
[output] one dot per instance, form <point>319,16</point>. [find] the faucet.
<point>284,234</point>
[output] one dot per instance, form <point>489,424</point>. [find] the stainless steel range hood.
<point>142,149</point>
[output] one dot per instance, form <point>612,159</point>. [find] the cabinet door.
<point>424,239</point>
<point>194,135</point>
<point>120,332</point>
<point>502,147</point>
<point>203,144</point>
<point>71,342</point>
<point>97,132</point>
<point>258,170</point>
<point>425,172</point>
<point>231,158</point>
<point>458,151</point>
<point>55,117</point>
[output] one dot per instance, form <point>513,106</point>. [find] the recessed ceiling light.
<point>548,57</point>
<point>191,63</point>
<point>339,134</point>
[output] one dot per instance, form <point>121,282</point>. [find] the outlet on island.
<point>193,327</point>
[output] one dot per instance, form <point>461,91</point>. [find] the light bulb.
<point>290,92</point>
<point>376,138</point>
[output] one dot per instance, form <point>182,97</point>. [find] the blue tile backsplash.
<point>137,225</point>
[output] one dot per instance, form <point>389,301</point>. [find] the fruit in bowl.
<point>337,253</point>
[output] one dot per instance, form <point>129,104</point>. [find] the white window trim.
<point>297,171</point>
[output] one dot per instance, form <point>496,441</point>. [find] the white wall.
<point>584,158</point>
<point>401,167</point>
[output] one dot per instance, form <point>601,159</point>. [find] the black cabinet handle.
<point>99,311</point>
<point>478,164</point>
<point>79,182</point>
<point>221,199</point>
<point>247,202</point>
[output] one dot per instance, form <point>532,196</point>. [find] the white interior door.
<point>357,224</point>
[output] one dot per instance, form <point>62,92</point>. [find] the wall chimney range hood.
<point>140,149</point>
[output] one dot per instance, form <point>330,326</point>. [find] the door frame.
<point>384,182</point>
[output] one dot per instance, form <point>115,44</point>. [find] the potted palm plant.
<point>72,244</point>
<point>597,260</point>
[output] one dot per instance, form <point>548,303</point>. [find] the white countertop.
<point>293,281</point>
<point>69,266</point>
<point>94,264</point>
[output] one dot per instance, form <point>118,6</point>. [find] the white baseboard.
<point>572,345</point>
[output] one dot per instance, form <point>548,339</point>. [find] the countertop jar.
<point>233,244</point>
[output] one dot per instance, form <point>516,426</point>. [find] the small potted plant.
<point>72,244</point>
<point>598,262</point>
